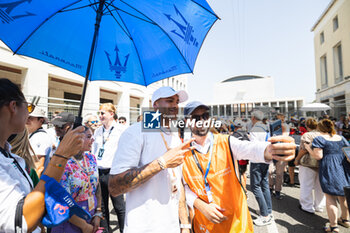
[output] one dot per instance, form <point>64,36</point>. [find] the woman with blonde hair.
<point>334,172</point>
<point>20,146</point>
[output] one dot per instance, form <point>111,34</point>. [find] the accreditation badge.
<point>91,202</point>
<point>100,153</point>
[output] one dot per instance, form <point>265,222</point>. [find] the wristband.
<point>98,214</point>
<point>185,226</point>
<point>57,165</point>
<point>60,156</point>
<point>98,209</point>
<point>161,163</point>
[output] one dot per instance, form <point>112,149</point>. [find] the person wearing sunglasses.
<point>17,193</point>
<point>63,122</point>
<point>91,121</point>
<point>38,137</point>
<point>210,172</point>
<point>122,120</point>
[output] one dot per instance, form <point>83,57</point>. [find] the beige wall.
<point>341,8</point>
<point>109,94</point>
<point>13,74</point>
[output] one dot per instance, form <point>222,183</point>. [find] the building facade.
<point>332,57</point>
<point>240,95</point>
<point>60,90</point>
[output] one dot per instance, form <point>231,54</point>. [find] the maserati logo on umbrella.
<point>6,9</point>
<point>186,29</point>
<point>117,67</point>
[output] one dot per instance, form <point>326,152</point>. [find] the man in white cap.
<point>146,168</point>
<point>38,138</point>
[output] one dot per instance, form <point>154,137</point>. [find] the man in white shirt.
<point>38,137</point>
<point>104,148</point>
<point>145,167</point>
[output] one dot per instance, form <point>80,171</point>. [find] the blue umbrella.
<point>139,41</point>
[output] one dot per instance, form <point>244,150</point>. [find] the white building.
<point>238,96</point>
<point>60,90</point>
<point>332,57</point>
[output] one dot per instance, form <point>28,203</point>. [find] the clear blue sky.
<point>260,37</point>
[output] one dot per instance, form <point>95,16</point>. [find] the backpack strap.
<point>40,130</point>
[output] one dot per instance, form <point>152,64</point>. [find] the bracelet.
<point>60,156</point>
<point>161,163</point>
<point>57,165</point>
<point>185,226</point>
<point>98,209</point>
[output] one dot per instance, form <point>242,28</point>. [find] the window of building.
<point>324,76</point>
<point>250,107</point>
<point>335,23</point>
<point>235,108</point>
<point>104,100</point>
<point>322,37</point>
<point>228,110</point>
<point>338,63</point>
<point>222,110</point>
<point>282,107</point>
<point>215,110</point>
<point>242,107</point>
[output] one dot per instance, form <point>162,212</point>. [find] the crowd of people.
<point>162,180</point>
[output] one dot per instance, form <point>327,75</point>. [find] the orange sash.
<point>226,189</point>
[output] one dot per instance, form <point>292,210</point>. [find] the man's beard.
<point>200,132</point>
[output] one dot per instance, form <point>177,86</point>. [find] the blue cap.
<point>60,206</point>
<point>191,106</point>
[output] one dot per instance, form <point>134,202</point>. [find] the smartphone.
<point>276,128</point>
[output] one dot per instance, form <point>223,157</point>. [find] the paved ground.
<point>288,217</point>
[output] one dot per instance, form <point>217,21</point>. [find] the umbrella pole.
<point>99,13</point>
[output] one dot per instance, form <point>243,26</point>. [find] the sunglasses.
<point>121,122</point>
<point>93,122</point>
<point>61,128</point>
<point>30,107</point>
<point>204,116</point>
<point>101,113</point>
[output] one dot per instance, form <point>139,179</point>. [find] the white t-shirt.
<point>150,208</point>
<point>13,187</point>
<point>111,137</point>
<point>41,143</point>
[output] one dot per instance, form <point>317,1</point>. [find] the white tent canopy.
<point>315,107</point>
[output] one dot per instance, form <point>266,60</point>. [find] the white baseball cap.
<point>165,92</point>
<point>38,112</point>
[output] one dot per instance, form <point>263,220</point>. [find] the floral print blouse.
<point>76,178</point>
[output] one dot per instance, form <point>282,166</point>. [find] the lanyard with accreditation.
<point>102,149</point>
<point>84,168</point>
<point>206,184</point>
